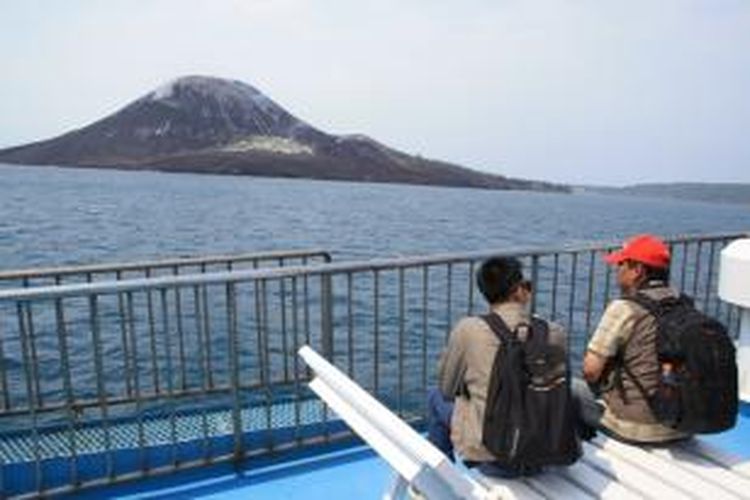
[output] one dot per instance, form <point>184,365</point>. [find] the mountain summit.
<point>213,125</point>
<point>188,114</point>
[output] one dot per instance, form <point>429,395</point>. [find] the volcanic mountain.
<point>211,125</point>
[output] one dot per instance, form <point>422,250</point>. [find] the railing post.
<point>30,375</point>
<point>572,297</point>
<point>4,386</point>
<point>743,353</point>
<point>6,400</point>
<point>234,376</point>
<point>534,281</point>
<point>62,338</point>
<point>326,315</point>
<point>101,392</point>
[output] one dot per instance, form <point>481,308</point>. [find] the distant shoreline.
<point>140,168</point>
<point>725,193</point>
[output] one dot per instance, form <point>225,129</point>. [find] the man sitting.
<point>457,408</point>
<point>621,359</point>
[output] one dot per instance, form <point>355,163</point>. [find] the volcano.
<point>212,125</point>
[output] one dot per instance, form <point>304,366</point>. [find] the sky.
<point>575,91</point>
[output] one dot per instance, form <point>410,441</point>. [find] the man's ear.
<point>641,269</point>
<point>520,294</point>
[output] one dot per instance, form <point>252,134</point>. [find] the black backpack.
<point>697,389</point>
<point>530,417</point>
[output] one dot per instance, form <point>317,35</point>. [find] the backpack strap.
<point>656,308</point>
<point>539,329</point>
<point>538,326</point>
<point>498,327</point>
<point>638,385</point>
<point>651,305</point>
<point>659,307</point>
<point>653,308</point>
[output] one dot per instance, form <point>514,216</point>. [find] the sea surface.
<point>51,215</point>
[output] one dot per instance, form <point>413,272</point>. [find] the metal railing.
<point>87,273</point>
<point>154,374</point>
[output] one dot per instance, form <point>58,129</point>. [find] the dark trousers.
<point>439,413</point>
<point>590,410</point>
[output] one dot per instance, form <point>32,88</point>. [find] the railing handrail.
<point>227,277</point>
<point>189,260</point>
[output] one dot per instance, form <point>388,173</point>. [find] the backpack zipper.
<point>516,437</point>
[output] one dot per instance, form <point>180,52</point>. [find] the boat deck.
<point>715,467</point>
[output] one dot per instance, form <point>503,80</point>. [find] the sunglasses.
<point>526,285</point>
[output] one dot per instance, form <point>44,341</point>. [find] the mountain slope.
<point>212,125</point>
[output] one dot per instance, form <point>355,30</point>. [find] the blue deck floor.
<point>736,441</point>
<point>354,472</point>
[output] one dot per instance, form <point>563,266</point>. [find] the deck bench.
<point>608,468</point>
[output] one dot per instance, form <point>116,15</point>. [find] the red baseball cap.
<point>644,248</point>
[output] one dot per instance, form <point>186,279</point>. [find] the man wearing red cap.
<point>621,358</point>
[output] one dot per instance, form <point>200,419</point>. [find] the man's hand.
<point>593,367</point>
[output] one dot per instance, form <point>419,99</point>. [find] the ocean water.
<point>52,216</point>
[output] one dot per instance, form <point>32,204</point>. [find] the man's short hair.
<point>651,273</point>
<point>498,277</point>
<point>657,273</point>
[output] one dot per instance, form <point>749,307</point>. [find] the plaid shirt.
<point>615,328</point>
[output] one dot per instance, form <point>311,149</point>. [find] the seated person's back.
<point>621,357</point>
<point>466,365</point>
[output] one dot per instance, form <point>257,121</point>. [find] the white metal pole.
<point>743,355</point>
